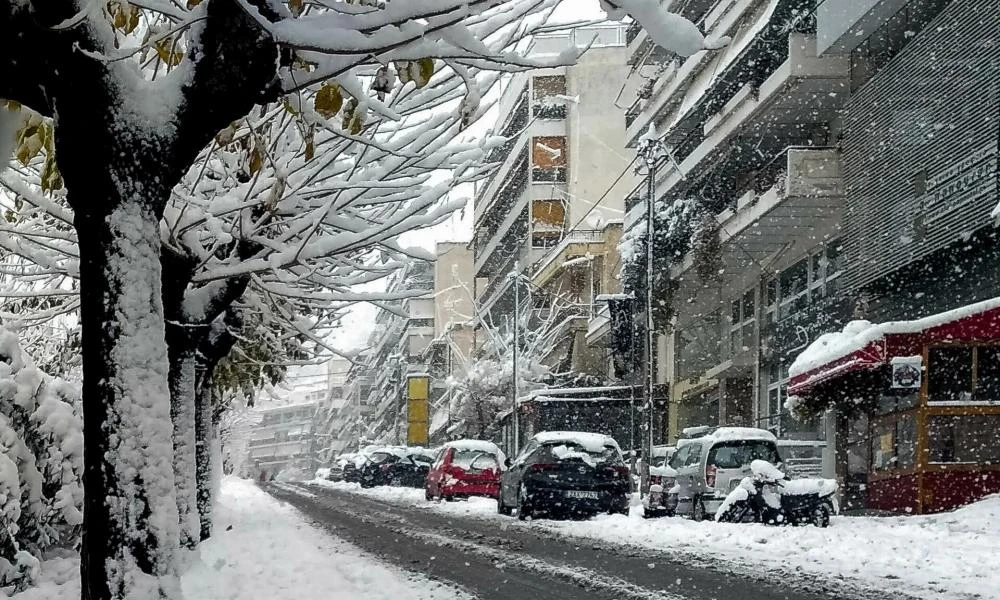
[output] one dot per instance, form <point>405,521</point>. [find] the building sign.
<point>417,410</point>
<point>906,372</point>
<point>960,184</point>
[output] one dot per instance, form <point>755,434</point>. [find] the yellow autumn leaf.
<point>424,72</point>
<point>295,7</point>
<point>193,3</point>
<point>329,100</point>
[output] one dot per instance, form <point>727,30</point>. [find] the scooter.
<point>770,497</point>
<point>661,501</point>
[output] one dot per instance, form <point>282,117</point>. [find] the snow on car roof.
<point>480,445</point>
<point>725,434</point>
<point>594,442</point>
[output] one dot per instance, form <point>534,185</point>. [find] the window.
<point>548,222</point>
<point>742,318</point>
<point>735,455</point>
<point>546,103</point>
<point>950,373</point>
<point>808,280</point>
<point>693,457</point>
<point>963,439</point>
<point>548,159</point>
<point>679,459</point>
<point>894,443</point>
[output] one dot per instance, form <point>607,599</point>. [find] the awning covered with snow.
<point>863,345</point>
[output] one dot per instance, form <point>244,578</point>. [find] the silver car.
<point>711,465</point>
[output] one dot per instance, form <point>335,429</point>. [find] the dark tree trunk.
<point>130,513</point>
<point>215,346</point>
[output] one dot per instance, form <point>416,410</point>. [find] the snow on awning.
<point>863,345</point>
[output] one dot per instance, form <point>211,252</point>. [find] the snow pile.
<point>263,550</point>
<point>41,465</point>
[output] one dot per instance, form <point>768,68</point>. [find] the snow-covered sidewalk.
<point>264,550</point>
<point>943,556</point>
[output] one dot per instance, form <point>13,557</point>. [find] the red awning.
<point>866,346</point>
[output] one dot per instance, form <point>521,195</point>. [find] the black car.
<point>397,467</point>
<point>566,472</point>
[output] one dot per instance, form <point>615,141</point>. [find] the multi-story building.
<point>284,441</point>
<point>449,354</point>
<point>751,133</point>
<point>403,330</point>
<point>916,384</point>
<point>548,220</point>
<point>334,412</point>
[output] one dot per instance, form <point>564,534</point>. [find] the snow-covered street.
<point>937,556</point>
<point>265,550</point>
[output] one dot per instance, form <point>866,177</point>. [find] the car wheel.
<point>698,510</point>
<point>523,507</point>
<point>821,516</point>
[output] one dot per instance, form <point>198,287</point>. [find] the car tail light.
<point>710,476</point>
<point>621,472</point>
<point>654,479</point>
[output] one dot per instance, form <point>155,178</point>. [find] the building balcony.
<point>599,326</point>
<point>577,242</point>
<point>802,194</point>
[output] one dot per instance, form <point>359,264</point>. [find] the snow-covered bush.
<point>41,464</point>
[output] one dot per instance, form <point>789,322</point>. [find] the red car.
<point>465,468</point>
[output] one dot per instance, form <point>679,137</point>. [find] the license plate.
<point>581,494</point>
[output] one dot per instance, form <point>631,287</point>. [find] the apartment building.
<point>334,411</point>
<point>548,221</point>
<point>917,388</point>
<point>284,441</point>
<point>751,131</point>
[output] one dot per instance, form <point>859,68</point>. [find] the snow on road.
<point>264,550</point>
<point>942,556</point>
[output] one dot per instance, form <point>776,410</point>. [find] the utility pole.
<point>650,148</point>
<point>514,417</point>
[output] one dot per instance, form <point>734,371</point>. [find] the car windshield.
<point>738,454</point>
<point>421,458</point>
<point>567,451</point>
<point>464,459</point>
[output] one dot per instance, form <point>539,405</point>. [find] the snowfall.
<point>264,550</point>
<point>943,556</point>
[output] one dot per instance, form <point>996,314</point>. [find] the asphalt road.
<point>513,562</point>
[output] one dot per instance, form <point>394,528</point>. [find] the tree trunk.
<point>181,352</point>
<point>205,432</point>
<point>130,517</point>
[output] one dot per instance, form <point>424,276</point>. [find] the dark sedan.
<point>399,467</point>
<point>566,472</point>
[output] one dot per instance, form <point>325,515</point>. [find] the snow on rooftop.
<point>856,335</point>
<point>592,442</point>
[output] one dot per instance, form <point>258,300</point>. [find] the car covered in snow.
<point>711,461</point>
<point>396,466</point>
<point>566,472</point>
<point>465,468</point>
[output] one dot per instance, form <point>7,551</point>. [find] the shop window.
<point>963,439</point>
<point>950,374</point>
<point>894,443</point>
<point>987,374</point>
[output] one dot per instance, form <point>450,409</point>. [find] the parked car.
<point>339,467</point>
<point>396,466</point>
<point>465,468</point>
<point>713,464</point>
<point>566,472</point>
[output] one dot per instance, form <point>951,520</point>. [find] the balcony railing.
<point>575,236</point>
<point>549,111</point>
<point>633,31</point>
<point>553,175</point>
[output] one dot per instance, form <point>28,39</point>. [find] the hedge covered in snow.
<point>41,465</point>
